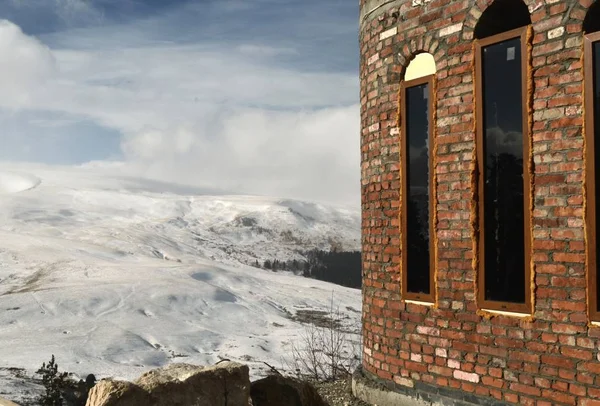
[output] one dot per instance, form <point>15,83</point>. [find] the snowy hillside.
<point>117,275</point>
<point>145,217</point>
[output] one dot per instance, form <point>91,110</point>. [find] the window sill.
<point>417,302</point>
<point>504,313</point>
<point>595,323</point>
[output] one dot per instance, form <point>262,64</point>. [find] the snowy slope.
<point>117,275</point>
<point>136,215</point>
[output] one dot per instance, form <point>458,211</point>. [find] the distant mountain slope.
<point>138,216</point>
<point>117,275</point>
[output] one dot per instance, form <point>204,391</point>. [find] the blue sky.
<point>256,96</point>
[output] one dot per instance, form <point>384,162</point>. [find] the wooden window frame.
<point>590,175</point>
<point>420,297</point>
<point>479,45</point>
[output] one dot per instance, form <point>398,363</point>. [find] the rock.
<point>226,384</point>
<point>277,390</point>
<point>117,393</point>
<point>76,393</point>
<point>5,402</point>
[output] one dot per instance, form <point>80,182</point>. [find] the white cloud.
<point>26,64</point>
<point>202,114</point>
<point>311,155</point>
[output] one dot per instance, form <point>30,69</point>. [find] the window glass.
<point>503,175</point>
<point>417,156</point>
<point>596,92</point>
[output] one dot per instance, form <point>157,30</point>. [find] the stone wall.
<point>550,357</point>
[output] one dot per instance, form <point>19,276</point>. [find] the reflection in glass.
<point>503,176</point>
<point>417,158</point>
<point>596,62</point>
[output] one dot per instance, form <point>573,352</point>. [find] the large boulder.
<point>277,390</point>
<point>117,393</point>
<point>108,392</point>
<point>226,384</point>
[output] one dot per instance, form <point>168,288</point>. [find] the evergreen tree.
<point>53,383</point>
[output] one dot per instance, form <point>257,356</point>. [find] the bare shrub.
<point>325,350</point>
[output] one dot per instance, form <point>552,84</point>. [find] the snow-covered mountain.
<point>116,275</point>
<point>144,217</point>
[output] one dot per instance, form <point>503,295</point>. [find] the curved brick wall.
<point>549,358</point>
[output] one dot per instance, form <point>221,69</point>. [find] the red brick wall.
<point>552,357</point>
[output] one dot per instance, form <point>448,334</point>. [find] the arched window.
<point>591,23</point>
<point>417,176</point>
<point>502,139</point>
<point>591,56</point>
<point>502,16</point>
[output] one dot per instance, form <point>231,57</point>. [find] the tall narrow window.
<point>591,23</point>
<point>502,157</point>
<point>592,123</point>
<point>417,177</point>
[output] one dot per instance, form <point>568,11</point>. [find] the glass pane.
<point>503,176</point>
<point>596,61</point>
<point>417,156</point>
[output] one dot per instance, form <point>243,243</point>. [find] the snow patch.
<point>15,182</point>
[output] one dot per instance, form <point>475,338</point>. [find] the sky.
<point>249,96</point>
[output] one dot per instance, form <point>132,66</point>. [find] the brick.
<point>404,381</point>
<point>528,390</point>
<point>556,32</point>
<point>559,397</point>
<point>388,33</point>
<point>450,30</point>
<point>577,353</point>
<point>465,376</point>
<point>372,59</point>
<point>454,364</point>
<point>548,48</point>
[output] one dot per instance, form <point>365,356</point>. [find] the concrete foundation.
<point>375,391</point>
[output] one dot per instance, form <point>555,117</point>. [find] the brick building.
<point>479,161</point>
